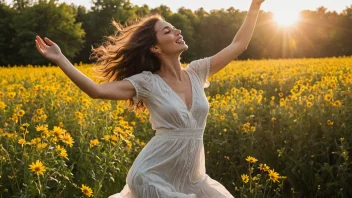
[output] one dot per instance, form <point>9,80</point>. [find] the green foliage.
<point>77,30</point>
<point>46,19</point>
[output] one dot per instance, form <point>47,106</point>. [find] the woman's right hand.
<point>51,52</point>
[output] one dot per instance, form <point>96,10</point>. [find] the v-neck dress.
<point>172,163</point>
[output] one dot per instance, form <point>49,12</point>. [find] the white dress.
<point>172,163</point>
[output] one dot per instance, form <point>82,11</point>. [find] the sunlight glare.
<point>286,18</point>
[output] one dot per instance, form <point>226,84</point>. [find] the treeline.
<point>76,30</point>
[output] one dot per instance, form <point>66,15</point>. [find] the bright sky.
<point>268,5</point>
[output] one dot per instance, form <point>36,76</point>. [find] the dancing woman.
<point>143,65</point>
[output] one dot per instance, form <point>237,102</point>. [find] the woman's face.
<point>169,39</point>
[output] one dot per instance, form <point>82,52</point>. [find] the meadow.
<point>276,128</point>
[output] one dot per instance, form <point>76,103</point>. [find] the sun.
<point>286,18</point>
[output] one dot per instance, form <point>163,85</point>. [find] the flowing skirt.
<point>172,165</point>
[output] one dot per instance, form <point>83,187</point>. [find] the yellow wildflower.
<point>37,167</point>
<point>67,139</point>
<point>93,143</point>
<point>20,113</point>
<point>245,178</point>
<point>22,141</point>
<point>251,159</point>
<point>87,190</point>
<point>274,176</point>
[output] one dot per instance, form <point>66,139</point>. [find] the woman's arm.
<point>240,41</point>
<point>53,53</point>
<point>82,81</point>
<point>116,90</point>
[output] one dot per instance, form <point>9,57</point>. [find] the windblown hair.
<point>127,51</point>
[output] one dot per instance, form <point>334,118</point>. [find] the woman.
<point>145,60</point>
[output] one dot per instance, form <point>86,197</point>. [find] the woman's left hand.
<point>257,1</point>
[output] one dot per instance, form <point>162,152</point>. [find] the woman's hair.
<point>127,52</point>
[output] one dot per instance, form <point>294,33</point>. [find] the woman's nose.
<point>178,31</point>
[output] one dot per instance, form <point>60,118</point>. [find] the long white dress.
<point>172,163</point>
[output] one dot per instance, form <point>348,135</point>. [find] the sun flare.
<point>286,18</point>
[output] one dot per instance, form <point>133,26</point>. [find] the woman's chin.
<point>185,47</point>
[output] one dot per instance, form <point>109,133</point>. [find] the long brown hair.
<point>127,52</point>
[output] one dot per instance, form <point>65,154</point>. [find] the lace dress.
<point>172,163</point>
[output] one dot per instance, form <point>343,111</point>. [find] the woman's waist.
<point>180,133</point>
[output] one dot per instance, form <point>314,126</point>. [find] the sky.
<point>268,5</point>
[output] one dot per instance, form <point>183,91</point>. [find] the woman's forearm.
<point>82,81</point>
<point>245,32</point>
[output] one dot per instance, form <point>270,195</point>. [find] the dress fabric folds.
<point>172,163</point>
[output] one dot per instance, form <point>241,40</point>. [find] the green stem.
<point>40,186</point>
<point>102,178</point>
<point>13,170</point>
<point>266,186</point>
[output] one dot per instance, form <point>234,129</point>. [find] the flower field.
<point>276,128</point>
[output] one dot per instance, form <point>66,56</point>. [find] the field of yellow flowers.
<point>276,128</point>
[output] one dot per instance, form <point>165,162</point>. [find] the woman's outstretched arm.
<point>239,43</point>
<point>117,90</point>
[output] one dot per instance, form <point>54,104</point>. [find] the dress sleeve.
<point>201,67</point>
<point>142,82</point>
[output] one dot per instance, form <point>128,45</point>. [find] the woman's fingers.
<point>50,42</point>
<point>38,47</point>
<point>41,42</point>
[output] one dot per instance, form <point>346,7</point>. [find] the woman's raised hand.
<point>51,51</point>
<point>258,1</point>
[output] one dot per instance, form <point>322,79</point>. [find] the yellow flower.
<point>41,145</point>
<point>251,159</point>
<point>11,95</point>
<point>222,117</point>
<point>337,103</point>
<point>311,97</point>
<point>63,153</point>
<point>2,105</point>
<point>22,141</point>
<point>245,178</point>
<point>93,143</point>
<point>309,104</point>
<point>273,118</point>
<point>106,137</point>
<point>264,167</point>
<point>20,113</point>
<point>328,97</point>
<point>79,115</point>
<point>274,176</point>
<point>235,116</point>
<point>330,123</point>
<point>253,128</point>
<point>36,140</point>
<point>142,143</point>
<point>39,111</point>
<point>67,139</point>
<point>259,98</point>
<point>114,137</point>
<point>58,132</point>
<point>246,127</point>
<point>87,191</point>
<point>41,128</point>
<point>37,167</point>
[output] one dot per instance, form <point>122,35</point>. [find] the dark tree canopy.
<point>77,29</point>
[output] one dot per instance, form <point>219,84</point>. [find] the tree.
<point>97,23</point>
<point>21,4</point>
<point>56,22</point>
<point>7,49</point>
